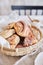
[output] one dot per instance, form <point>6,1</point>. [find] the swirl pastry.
<point>14,40</point>
<point>22,29</point>
<point>7,33</point>
<point>30,40</point>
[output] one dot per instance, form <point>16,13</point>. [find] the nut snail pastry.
<point>14,40</point>
<point>30,40</point>
<point>22,29</point>
<point>7,33</point>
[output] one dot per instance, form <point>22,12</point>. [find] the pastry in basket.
<point>31,40</point>
<point>13,40</point>
<point>7,33</point>
<point>22,29</point>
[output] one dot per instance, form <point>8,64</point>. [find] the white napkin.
<point>30,58</point>
<point>35,59</point>
<point>39,59</point>
<point>4,43</point>
<point>27,59</point>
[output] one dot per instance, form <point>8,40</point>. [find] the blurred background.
<point>5,5</point>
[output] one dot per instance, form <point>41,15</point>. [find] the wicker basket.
<point>24,50</point>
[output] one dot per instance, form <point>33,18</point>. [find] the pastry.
<point>22,29</point>
<point>14,40</point>
<point>7,33</point>
<point>30,40</point>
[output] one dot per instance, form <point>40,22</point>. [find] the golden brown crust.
<point>7,33</point>
<point>14,40</point>
<point>22,29</point>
